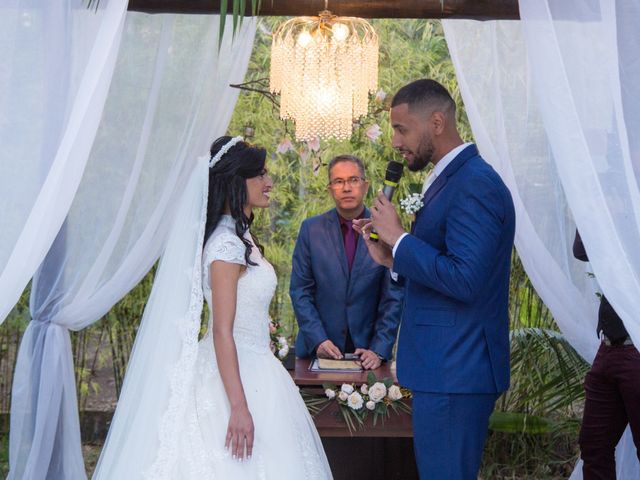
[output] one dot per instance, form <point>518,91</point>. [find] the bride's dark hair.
<point>227,186</point>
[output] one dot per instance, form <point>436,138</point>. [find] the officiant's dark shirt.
<point>349,237</point>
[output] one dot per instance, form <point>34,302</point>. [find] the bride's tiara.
<point>225,148</point>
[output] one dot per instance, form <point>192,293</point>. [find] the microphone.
<point>391,179</point>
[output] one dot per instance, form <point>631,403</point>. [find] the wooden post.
<point>475,9</point>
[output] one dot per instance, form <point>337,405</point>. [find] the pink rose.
<point>373,132</point>
<point>284,146</point>
<point>314,144</point>
<point>380,96</point>
<point>305,153</point>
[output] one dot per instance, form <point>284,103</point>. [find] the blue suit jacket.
<point>328,300</point>
<point>455,265</point>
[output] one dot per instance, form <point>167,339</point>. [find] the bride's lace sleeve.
<point>226,247</point>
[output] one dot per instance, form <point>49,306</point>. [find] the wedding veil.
<point>162,363</point>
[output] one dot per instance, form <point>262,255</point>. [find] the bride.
<point>224,407</point>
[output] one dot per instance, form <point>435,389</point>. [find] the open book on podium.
<point>350,363</point>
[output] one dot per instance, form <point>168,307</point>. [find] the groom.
<point>453,350</point>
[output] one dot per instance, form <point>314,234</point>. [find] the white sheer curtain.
<point>553,112</point>
<point>169,98</point>
<point>586,74</point>
<point>57,63</point>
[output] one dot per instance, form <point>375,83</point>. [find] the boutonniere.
<point>412,203</point>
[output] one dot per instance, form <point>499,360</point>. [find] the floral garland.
<point>377,397</point>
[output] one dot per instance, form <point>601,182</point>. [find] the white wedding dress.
<point>287,445</point>
<point>172,415</point>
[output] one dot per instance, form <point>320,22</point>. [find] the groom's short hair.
<point>426,95</point>
<point>346,158</point>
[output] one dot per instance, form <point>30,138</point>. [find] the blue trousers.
<point>449,432</point>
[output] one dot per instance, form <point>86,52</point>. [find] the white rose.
<point>364,389</point>
<point>282,341</point>
<point>330,393</point>
<point>370,405</point>
<point>377,392</point>
<point>347,388</point>
<point>343,396</point>
<point>394,392</point>
<point>355,401</point>
<point>283,351</point>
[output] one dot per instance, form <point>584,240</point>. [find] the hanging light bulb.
<point>324,67</point>
<point>340,31</point>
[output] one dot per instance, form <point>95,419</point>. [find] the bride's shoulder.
<point>225,245</point>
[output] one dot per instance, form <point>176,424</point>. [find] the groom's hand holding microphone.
<point>384,223</point>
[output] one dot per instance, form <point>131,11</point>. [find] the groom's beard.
<point>424,155</point>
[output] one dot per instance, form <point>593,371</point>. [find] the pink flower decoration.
<point>380,96</point>
<point>314,145</point>
<point>305,153</point>
<point>373,132</point>
<point>284,146</point>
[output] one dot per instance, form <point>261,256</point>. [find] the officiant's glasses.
<point>339,183</point>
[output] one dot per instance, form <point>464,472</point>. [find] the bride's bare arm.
<point>224,287</point>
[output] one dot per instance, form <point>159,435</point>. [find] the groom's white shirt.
<point>428,181</point>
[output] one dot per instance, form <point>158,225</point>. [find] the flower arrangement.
<point>279,343</point>
<point>412,203</point>
<point>377,397</point>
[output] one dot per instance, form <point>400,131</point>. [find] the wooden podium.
<point>380,452</point>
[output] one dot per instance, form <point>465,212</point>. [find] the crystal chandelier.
<point>324,68</point>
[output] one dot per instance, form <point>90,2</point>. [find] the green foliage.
<point>4,455</point>
<point>546,372</point>
<point>11,332</point>
<point>534,428</point>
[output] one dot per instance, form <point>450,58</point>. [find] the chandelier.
<point>324,67</point>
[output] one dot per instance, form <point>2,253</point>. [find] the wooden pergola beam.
<point>474,9</point>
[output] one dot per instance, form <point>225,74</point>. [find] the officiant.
<point>344,302</point>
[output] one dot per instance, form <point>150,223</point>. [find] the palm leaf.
<point>512,422</point>
<point>547,373</point>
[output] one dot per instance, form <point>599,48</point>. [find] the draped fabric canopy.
<point>57,62</point>
<point>169,98</point>
<point>550,102</point>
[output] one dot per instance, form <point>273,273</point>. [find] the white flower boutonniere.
<point>412,203</point>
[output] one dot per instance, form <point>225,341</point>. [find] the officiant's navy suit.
<point>453,348</point>
<point>329,301</point>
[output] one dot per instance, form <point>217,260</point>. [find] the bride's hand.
<point>240,433</point>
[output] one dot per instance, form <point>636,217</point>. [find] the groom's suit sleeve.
<point>473,225</point>
<point>302,290</point>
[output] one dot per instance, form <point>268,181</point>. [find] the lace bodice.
<point>256,285</point>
